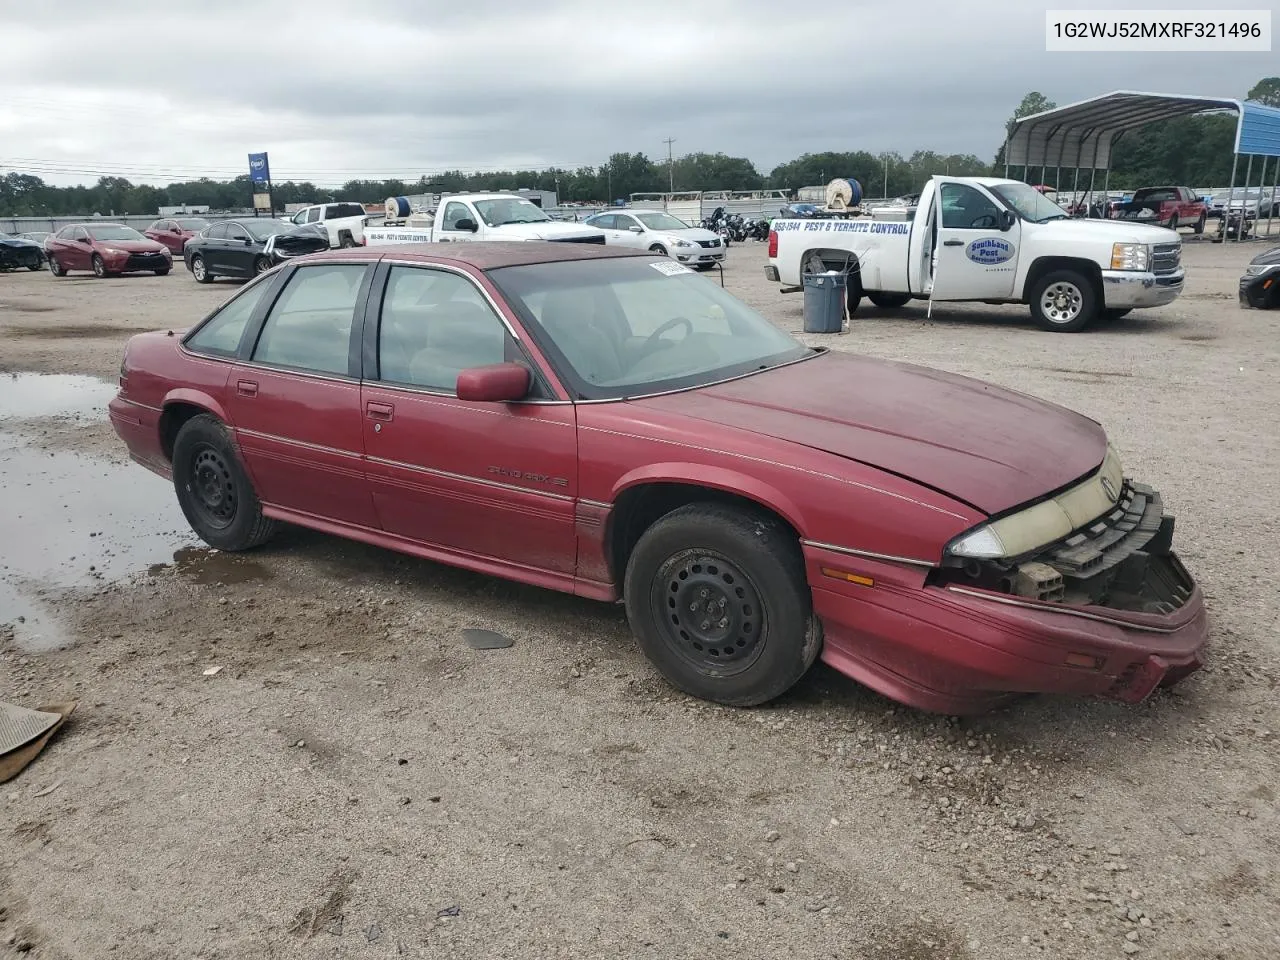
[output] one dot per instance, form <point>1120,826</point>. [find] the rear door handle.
<point>246,388</point>
<point>953,243</point>
<point>380,411</point>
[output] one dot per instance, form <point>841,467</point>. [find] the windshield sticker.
<point>670,268</point>
<point>841,226</point>
<point>990,250</point>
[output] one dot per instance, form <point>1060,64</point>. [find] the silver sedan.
<point>662,233</point>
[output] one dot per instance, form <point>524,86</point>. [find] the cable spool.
<point>397,208</point>
<point>843,194</point>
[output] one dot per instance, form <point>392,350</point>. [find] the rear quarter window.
<point>220,335</point>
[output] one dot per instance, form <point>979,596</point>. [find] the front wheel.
<point>200,270</point>
<point>261,265</point>
<point>659,249</point>
<point>888,301</point>
<point>1064,301</point>
<point>99,267</point>
<point>213,489</point>
<point>718,601</point>
<point>162,272</point>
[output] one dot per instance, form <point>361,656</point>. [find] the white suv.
<point>344,221</point>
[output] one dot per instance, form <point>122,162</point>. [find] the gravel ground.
<point>356,782</point>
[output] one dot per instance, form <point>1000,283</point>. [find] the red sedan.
<point>175,233</point>
<point>107,249</point>
<point>607,423</point>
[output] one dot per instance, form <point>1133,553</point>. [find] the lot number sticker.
<point>670,268</point>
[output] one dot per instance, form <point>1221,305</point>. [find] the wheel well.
<point>841,260</point>
<point>640,507</point>
<point>1049,264</point>
<point>171,421</point>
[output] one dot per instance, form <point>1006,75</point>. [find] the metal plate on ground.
<point>485,639</point>
<point>19,726</point>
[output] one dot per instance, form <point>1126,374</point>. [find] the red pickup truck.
<point>1170,207</point>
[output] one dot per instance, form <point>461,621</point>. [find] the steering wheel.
<point>985,222</point>
<point>652,342</point>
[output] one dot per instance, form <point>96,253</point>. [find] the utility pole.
<point>671,170</point>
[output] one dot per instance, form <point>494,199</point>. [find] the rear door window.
<point>309,326</point>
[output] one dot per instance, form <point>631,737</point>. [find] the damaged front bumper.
<point>1108,611</point>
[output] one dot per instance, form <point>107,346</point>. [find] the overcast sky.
<point>335,89</point>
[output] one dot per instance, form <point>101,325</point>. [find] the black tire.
<point>261,265</point>
<point>706,560</point>
<point>1199,227</point>
<point>346,241</point>
<point>1173,222</point>
<point>56,268</point>
<point>213,489</point>
<point>1064,301</point>
<point>99,267</point>
<point>200,270</point>
<point>888,301</point>
<point>659,249</point>
<point>162,273</point>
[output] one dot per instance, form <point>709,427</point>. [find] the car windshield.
<point>661,221</point>
<point>5,236</point>
<point>195,224</point>
<point>510,210</point>
<point>261,229</point>
<point>114,232</point>
<point>633,326</point>
<point>1029,203</point>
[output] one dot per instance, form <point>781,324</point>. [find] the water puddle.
<point>73,521</point>
<point>202,565</point>
<point>26,395</point>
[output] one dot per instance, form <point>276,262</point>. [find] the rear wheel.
<point>213,489</point>
<point>200,270</point>
<point>162,272</point>
<point>888,301</point>
<point>1064,301</point>
<point>1199,228</point>
<point>717,598</point>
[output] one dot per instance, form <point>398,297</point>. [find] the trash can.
<point>824,302</point>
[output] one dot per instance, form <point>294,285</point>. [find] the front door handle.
<point>246,388</point>
<point>379,411</point>
<point>953,243</point>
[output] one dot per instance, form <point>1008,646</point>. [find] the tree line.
<point>1191,151</point>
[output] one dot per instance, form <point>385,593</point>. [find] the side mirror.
<point>1007,220</point>
<point>636,229</point>
<point>466,223</point>
<point>496,383</point>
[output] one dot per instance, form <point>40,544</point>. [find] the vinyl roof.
<point>1081,135</point>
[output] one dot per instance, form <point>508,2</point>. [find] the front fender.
<point>714,478</point>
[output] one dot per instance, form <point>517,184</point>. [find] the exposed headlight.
<point>980,544</point>
<point>677,242</point>
<point>112,251</point>
<point>1258,269</point>
<point>1130,256</point>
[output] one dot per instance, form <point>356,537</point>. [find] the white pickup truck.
<point>343,221</point>
<point>987,240</point>
<point>482,216</point>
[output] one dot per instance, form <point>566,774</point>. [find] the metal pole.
<point>1231,195</point>
<point>1244,202</point>
<point>1075,183</point>
<point>1262,179</point>
<point>1092,173</point>
<point>1271,200</point>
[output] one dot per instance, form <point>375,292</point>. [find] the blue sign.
<point>989,250</point>
<point>259,172</point>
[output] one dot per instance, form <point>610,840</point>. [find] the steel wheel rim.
<point>212,488</point>
<point>1061,302</point>
<point>197,268</point>
<point>709,612</point>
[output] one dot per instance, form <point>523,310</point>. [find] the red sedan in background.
<point>106,249</point>
<point>175,233</point>
<point>607,423</point>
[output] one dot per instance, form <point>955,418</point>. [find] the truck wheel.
<point>346,241</point>
<point>1199,228</point>
<point>888,301</point>
<point>719,603</point>
<point>1064,301</point>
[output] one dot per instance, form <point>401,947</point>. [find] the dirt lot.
<point>356,782</point>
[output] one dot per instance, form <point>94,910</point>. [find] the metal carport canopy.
<point>1081,135</point>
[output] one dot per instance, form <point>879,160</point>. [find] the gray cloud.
<point>336,90</point>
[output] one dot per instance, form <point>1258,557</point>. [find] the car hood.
<point>1113,231</point>
<point>1266,257</point>
<point>693,234</point>
<point>986,446</point>
<point>546,230</point>
<point>133,246</point>
<point>18,242</point>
